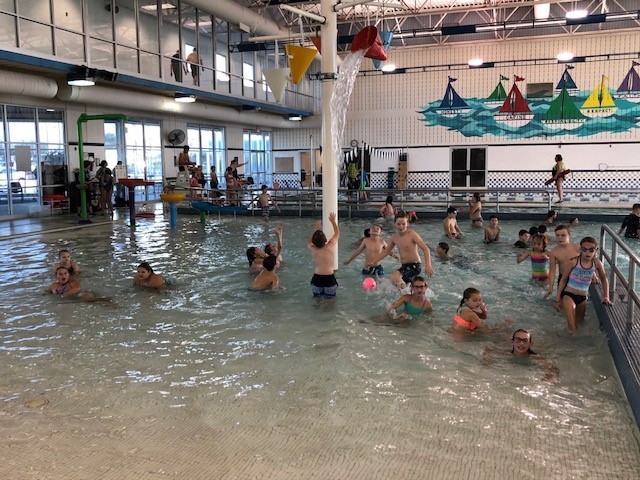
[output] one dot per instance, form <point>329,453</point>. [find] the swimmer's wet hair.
<point>522,232</point>
<point>452,210</point>
<point>269,249</point>
<point>389,199</point>
<point>541,238</point>
<point>551,213</point>
<point>146,266</point>
<point>318,239</point>
<point>562,227</point>
<point>418,278</point>
<point>533,231</point>
<point>269,263</point>
<point>64,250</point>
<point>367,232</point>
<point>542,229</point>
<point>588,240</point>
<point>63,268</point>
<point>251,255</point>
<point>444,246</point>
<point>401,214</point>
<point>466,295</point>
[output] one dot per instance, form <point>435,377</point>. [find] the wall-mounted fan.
<point>176,136</point>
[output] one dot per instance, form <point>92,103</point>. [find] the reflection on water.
<point>287,382</point>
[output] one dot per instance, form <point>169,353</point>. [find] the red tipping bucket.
<point>317,41</point>
<point>368,39</point>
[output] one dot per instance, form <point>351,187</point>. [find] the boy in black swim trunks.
<point>408,243</point>
<point>324,283</point>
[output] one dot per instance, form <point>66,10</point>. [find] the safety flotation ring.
<point>562,174</point>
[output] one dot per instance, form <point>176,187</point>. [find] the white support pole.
<point>329,69</point>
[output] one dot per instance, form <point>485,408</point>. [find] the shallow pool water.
<point>211,380</point>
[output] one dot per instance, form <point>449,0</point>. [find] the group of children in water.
<point>67,283</point>
<point>577,268</point>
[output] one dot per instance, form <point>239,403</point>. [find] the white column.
<point>329,68</point>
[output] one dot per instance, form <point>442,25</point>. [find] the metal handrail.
<point>629,283</point>
<point>311,198</point>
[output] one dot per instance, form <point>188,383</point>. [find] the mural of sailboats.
<point>629,89</point>
<point>566,82</point>
<point>514,112</point>
<point>499,95</point>
<point>563,114</point>
<point>600,103</point>
<point>452,104</point>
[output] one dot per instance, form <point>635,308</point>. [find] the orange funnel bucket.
<point>300,59</point>
<point>368,39</point>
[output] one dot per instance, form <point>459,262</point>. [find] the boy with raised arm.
<point>408,243</point>
<point>324,283</point>
<point>372,246</point>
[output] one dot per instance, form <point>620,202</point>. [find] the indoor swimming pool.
<point>210,380</point>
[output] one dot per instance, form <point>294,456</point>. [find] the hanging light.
<point>475,62</point>
<point>565,56</point>
<point>573,14</point>
<point>184,98</point>
<point>388,67</point>
<point>81,78</point>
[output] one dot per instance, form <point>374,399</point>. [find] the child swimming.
<point>539,259</point>
<point>414,303</point>
<point>65,287</point>
<point>146,277</point>
<point>64,260</point>
<point>267,278</point>
<point>471,312</point>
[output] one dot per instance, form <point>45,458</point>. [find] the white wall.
<point>384,109</point>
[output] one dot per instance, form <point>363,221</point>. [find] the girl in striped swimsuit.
<point>573,290</point>
<point>539,259</point>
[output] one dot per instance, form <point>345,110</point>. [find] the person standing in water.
<point>323,282</point>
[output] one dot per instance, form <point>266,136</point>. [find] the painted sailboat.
<point>600,103</point>
<point>499,94</point>
<point>566,82</point>
<point>452,104</point>
<point>514,112</point>
<point>563,114</point>
<point>629,89</point>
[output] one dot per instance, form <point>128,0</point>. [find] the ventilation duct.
<point>126,101</point>
<point>237,14</point>
<point>28,85</point>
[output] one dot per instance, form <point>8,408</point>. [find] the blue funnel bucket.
<point>386,38</point>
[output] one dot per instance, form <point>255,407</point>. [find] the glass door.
<point>469,167</point>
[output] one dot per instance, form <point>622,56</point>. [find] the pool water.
<point>211,380</point>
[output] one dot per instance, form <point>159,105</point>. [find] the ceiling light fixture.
<point>565,56</point>
<point>573,14</point>
<point>184,98</point>
<point>295,118</point>
<point>81,78</point>
<point>475,62</point>
<point>388,67</point>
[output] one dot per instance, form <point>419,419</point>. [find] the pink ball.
<point>369,283</point>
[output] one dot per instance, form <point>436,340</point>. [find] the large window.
<point>257,156</point>
<point>206,148</point>
<point>138,144</point>
<point>32,157</point>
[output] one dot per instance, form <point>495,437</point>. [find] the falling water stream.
<point>340,100</point>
